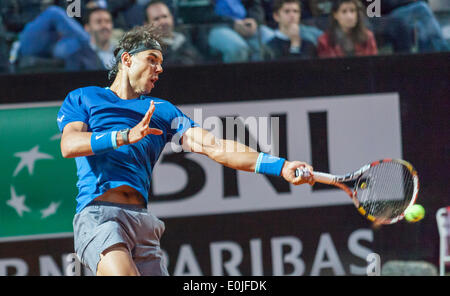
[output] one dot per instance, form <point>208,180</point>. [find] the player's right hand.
<point>288,173</point>
<point>142,129</point>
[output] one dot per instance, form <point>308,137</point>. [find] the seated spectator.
<point>289,41</point>
<point>17,13</point>
<point>98,23</point>
<point>406,24</point>
<point>241,38</point>
<point>53,36</point>
<point>347,34</point>
<point>178,50</point>
<point>14,15</point>
<point>393,34</point>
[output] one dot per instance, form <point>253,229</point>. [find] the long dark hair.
<point>146,34</point>
<point>358,34</point>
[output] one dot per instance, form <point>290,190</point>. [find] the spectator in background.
<point>14,16</point>
<point>51,36</point>
<point>393,34</point>
<point>347,34</point>
<point>241,39</point>
<point>406,24</point>
<point>178,50</point>
<point>17,13</point>
<point>291,39</point>
<point>98,23</point>
<point>55,37</point>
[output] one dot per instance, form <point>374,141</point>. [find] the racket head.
<point>385,189</point>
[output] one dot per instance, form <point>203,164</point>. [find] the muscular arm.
<point>235,155</point>
<point>226,152</point>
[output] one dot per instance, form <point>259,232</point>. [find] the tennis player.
<point>116,135</point>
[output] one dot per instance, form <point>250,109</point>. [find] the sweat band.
<point>103,142</point>
<point>152,44</point>
<point>114,139</point>
<point>269,165</point>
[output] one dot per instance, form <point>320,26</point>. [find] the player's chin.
<point>148,87</point>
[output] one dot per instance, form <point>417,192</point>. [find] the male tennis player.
<point>116,135</point>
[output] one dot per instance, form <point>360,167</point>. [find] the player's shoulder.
<point>87,90</point>
<point>90,89</point>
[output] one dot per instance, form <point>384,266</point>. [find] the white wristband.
<point>114,139</point>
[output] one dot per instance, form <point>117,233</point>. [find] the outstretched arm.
<point>236,155</point>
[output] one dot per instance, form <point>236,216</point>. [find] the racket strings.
<point>399,190</point>
<point>385,190</point>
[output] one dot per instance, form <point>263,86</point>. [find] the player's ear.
<point>126,59</point>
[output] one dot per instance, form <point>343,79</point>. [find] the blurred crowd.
<point>77,35</point>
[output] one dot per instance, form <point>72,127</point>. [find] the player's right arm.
<point>238,156</point>
<point>76,141</point>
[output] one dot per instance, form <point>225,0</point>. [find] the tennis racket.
<point>381,190</point>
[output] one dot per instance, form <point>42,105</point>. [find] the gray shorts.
<point>101,225</point>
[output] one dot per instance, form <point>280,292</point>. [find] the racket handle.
<point>318,176</point>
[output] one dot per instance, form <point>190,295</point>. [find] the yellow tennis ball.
<point>414,213</point>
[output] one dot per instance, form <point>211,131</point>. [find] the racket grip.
<point>318,177</point>
<point>300,172</point>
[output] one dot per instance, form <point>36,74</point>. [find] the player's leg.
<point>147,253</point>
<point>103,239</point>
<point>116,261</point>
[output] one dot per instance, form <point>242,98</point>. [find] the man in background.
<point>178,48</point>
<point>98,23</point>
<point>54,38</point>
<point>291,39</point>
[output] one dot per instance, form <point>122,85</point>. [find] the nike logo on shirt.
<point>99,136</point>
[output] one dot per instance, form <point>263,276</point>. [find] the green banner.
<point>38,186</point>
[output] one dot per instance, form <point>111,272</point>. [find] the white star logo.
<point>52,208</point>
<point>27,158</point>
<point>17,202</point>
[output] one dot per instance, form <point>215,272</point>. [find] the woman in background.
<point>347,34</point>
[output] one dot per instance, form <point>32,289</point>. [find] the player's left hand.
<point>143,128</point>
<point>288,173</point>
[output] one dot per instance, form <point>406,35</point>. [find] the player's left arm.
<point>238,156</point>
